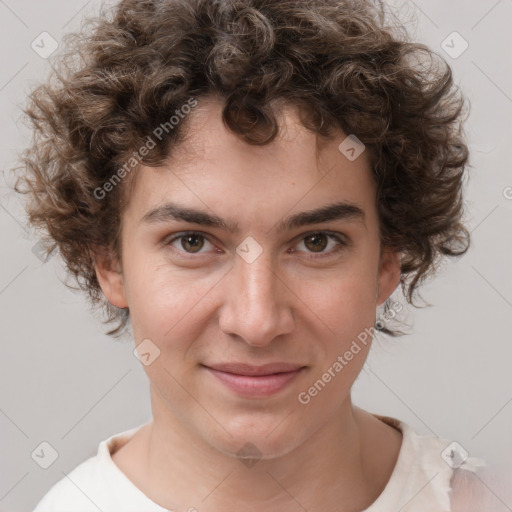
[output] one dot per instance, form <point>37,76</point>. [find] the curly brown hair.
<point>345,63</point>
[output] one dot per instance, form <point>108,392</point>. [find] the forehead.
<point>214,169</point>
<point>294,148</point>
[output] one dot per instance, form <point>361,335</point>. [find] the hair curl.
<point>341,61</point>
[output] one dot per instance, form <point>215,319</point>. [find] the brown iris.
<point>192,243</point>
<point>316,242</point>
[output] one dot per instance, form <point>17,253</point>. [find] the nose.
<point>257,305</point>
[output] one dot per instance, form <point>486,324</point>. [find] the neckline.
<point>387,498</point>
<point>391,493</point>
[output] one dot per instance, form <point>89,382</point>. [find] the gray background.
<point>67,383</point>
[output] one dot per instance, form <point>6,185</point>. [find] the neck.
<point>343,462</point>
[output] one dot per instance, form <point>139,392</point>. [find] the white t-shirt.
<point>420,482</point>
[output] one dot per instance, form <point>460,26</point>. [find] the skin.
<point>212,306</point>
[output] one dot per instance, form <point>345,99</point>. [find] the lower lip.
<point>255,386</point>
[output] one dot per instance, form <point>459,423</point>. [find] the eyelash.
<point>312,256</point>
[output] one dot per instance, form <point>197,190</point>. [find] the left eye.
<point>317,243</point>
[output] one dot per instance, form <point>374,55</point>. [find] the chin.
<point>250,443</point>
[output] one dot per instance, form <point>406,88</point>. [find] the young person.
<point>247,182</point>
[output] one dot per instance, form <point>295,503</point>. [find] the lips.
<point>252,381</point>
<point>251,370</point>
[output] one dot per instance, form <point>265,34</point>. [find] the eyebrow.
<point>336,211</point>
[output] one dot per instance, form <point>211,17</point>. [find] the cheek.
<point>344,316</point>
<point>164,302</point>
<point>343,303</point>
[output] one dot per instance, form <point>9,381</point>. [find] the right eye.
<point>189,242</point>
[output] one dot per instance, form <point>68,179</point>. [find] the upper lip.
<point>248,369</point>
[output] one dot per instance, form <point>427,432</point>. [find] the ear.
<point>110,276</point>
<point>389,274</point>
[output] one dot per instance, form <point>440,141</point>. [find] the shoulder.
<point>90,485</point>
<point>486,489</point>
<point>74,488</point>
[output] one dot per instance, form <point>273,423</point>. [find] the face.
<point>246,279</point>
